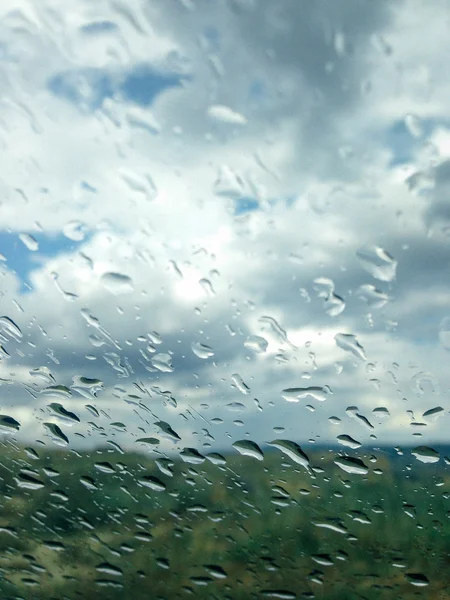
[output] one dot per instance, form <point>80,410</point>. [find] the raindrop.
<point>63,414</point>
<point>297,394</point>
<point>435,412</point>
<point>167,431</point>
<point>117,283</point>
<point>239,383</point>
<point>425,454</point>
<point>9,328</point>
<point>348,441</point>
<point>61,392</point>
<point>75,231</point>
<point>29,242</point>
<point>351,465</point>
<point>378,262</point>
<point>218,112</point>
<point>293,451</point>
<point>8,424</point>
<point>249,448</point>
<point>57,435</point>
<point>109,569</point>
<point>216,571</point>
<point>256,343</point>
<point>162,362</point>
<point>152,482</point>
<point>201,350</point>
<point>349,343</point>
<point>29,482</point>
<point>150,441</point>
<point>192,456</point>
<point>207,286</point>
<point>417,579</point>
<point>370,294</point>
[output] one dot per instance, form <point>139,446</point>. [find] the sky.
<point>226,216</point>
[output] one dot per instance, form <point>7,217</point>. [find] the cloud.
<point>164,223</point>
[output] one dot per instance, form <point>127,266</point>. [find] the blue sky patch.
<point>21,261</point>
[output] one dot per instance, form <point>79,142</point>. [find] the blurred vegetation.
<point>108,525</point>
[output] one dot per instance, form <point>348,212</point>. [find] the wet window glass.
<point>225,299</point>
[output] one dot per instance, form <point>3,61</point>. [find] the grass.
<point>247,529</point>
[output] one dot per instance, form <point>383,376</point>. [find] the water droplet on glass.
<point>8,424</point>
<point>192,456</point>
<point>370,294</point>
<point>293,451</point>
<point>117,283</point>
<point>56,434</point>
<point>207,286</point>
<point>29,482</point>
<point>351,465</point>
<point>109,569</point>
<point>348,441</point>
<point>202,350</point>
<point>29,242</point>
<point>153,483</point>
<point>75,231</point>
<point>225,114</point>
<point>240,384</point>
<point>417,579</point>
<point>64,415</point>
<point>297,394</point>
<point>256,343</point>
<point>379,263</point>
<point>9,329</point>
<point>249,448</point>
<point>167,431</point>
<point>433,413</point>
<point>425,454</point>
<point>162,362</point>
<point>349,343</point>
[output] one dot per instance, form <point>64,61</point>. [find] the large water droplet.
<point>256,343</point>
<point>153,483</point>
<point>8,424</point>
<point>294,451</point>
<point>162,362</point>
<point>349,343</point>
<point>249,448</point>
<point>347,440</point>
<point>417,579</point>
<point>379,263</point>
<point>351,465</point>
<point>425,454</point>
<point>117,283</point>
<point>202,350</point>
<point>240,384</point>
<point>29,242</point>
<point>222,113</point>
<point>297,394</point>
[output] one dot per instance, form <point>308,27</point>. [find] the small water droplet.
<point>57,435</point>
<point>207,286</point>
<point>8,424</point>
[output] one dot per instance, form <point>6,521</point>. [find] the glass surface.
<point>225,299</point>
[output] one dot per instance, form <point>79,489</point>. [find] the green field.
<point>108,525</point>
